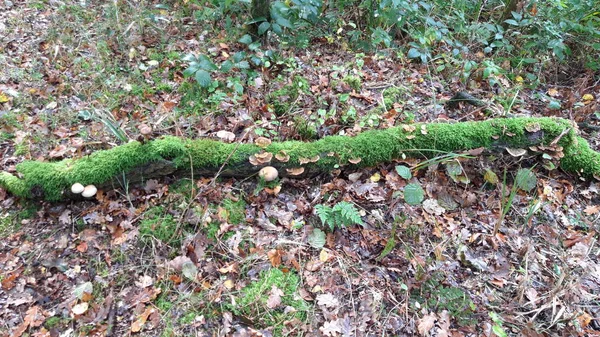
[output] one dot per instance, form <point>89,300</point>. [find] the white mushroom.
<point>268,173</point>
<point>77,188</point>
<point>89,191</point>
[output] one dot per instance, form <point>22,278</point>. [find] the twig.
<point>212,183</point>
<point>557,139</point>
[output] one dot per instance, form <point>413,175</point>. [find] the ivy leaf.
<point>403,171</point>
<point>203,78</point>
<point>413,194</point>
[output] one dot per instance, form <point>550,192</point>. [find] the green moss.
<point>581,159</point>
<point>50,180</point>
<point>252,301</point>
<point>13,184</point>
<point>52,322</point>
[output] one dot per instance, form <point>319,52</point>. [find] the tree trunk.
<point>260,9</point>
<point>136,162</point>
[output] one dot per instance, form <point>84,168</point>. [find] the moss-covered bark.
<point>167,155</point>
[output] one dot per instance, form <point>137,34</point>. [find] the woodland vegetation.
<point>299,168</point>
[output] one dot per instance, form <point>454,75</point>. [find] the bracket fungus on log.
<point>168,155</point>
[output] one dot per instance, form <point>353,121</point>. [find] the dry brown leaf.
<point>426,324</point>
<point>332,328</point>
<point>274,256</point>
<point>274,299</point>
<point>137,325</point>
<point>327,300</point>
<point>591,210</point>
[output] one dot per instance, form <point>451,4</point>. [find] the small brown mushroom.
<point>268,173</point>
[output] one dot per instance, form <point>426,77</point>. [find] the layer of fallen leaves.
<point>85,265</point>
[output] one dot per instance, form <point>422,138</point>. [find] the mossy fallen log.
<point>171,155</point>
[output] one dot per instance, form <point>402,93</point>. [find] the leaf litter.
<point>87,266</point>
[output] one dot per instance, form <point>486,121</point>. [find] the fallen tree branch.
<point>171,155</point>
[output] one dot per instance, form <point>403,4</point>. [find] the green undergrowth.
<point>158,224</point>
<point>51,180</point>
<point>252,300</point>
<point>10,221</point>
<point>284,100</point>
<point>436,296</point>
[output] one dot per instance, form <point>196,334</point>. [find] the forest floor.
<point>217,256</point>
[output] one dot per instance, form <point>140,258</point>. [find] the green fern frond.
<point>342,214</point>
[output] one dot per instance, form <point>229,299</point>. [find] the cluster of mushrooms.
<point>86,192</point>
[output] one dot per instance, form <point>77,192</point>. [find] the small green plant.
<point>497,327</point>
<point>157,224</point>
<point>437,297</point>
<point>236,210</point>
<point>342,214</point>
<point>353,82</point>
<point>526,181</point>
<point>253,300</point>
<point>109,121</point>
<point>285,99</point>
<point>201,67</point>
<point>52,322</point>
